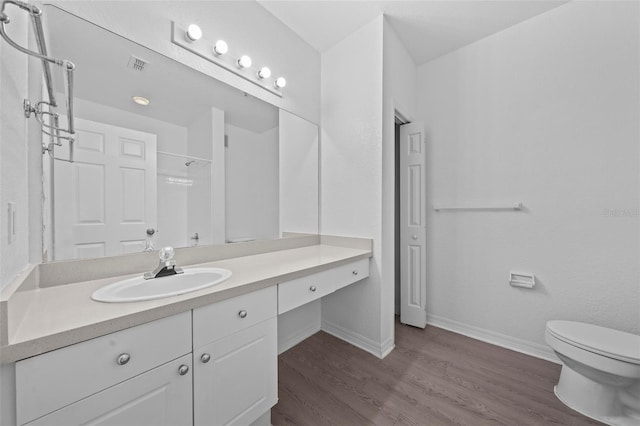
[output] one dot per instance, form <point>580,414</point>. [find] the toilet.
<point>600,375</point>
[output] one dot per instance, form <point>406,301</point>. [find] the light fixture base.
<point>204,49</point>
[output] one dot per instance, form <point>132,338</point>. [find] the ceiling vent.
<point>136,63</point>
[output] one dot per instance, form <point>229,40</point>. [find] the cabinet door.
<point>162,396</point>
<point>91,366</point>
<point>236,378</point>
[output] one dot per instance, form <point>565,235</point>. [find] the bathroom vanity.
<point>207,357</point>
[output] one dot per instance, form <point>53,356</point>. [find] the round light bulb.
<point>194,33</point>
<point>280,82</point>
<point>244,61</point>
<point>141,100</point>
<point>264,72</point>
<point>220,48</point>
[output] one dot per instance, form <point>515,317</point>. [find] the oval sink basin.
<point>138,289</point>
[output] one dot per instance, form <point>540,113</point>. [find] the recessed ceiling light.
<point>141,100</point>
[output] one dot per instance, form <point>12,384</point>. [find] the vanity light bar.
<point>218,53</point>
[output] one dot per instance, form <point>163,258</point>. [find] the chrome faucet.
<point>167,265</point>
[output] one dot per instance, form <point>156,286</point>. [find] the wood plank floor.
<point>433,377</point>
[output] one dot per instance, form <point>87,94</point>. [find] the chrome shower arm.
<point>43,55</point>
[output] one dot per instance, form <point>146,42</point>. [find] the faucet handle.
<point>166,253</point>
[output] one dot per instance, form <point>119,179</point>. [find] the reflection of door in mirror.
<point>106,199</point>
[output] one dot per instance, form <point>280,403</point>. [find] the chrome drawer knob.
<point>354,272</point>
<point>183,369</point>
<point>205,358</point>
<point>312,288</point>
<point>415,237</point>
<point>242,314</point>
<point>123,359</point>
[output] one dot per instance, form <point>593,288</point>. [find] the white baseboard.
<point>286,343</point>
<point>498,339</point>
<point>387,346</point>
<point>358,340</point>
<point>263,420</point>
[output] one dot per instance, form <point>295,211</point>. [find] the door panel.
<point>106,199</point>
<point>412,225</point>
<point>239,383</point>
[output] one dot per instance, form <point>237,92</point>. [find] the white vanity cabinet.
<point>213,365</point>
<point>235,359</point>
<point>118,378</point>
<point>300,291</point>
<point>159,397</point>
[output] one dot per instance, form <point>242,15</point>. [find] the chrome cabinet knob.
<point>123,359</point>
<point>415,237</point>
<point>242,314</point>
<point>205,358</point>
<point>183,369</point>
<point>354,272</point>
<point>312,288</point>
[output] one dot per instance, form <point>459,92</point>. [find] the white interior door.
<point>413,285</point>
<point>106,199</point>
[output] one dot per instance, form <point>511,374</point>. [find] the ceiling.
<point>427,28</point>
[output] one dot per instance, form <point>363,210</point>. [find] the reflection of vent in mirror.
<point>136,63</point>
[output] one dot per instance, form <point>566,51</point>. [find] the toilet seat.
<point>603,341</point>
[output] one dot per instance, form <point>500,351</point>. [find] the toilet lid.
<point>603,341</point>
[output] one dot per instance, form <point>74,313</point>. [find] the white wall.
<point>298,167</point>
<point>171,203</point>
<point>400,86</point>
<point>206,213</point>
<point>252,183</point>
<point>14,168</point>
<point>198,206</point>
<point>351,177</point>
<point>546,112</point>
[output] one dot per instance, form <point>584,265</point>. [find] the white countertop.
<point>62,315</point>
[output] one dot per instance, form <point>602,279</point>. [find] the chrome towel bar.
<point>517,206</point>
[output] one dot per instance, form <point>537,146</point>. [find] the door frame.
<point>414,319</point>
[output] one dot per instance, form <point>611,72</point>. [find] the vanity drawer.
<point>224,318</point>
<point>47,382</point>
<point>300,291</point>
<point>350,273</point>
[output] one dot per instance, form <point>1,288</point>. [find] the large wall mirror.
<point>203,163</point>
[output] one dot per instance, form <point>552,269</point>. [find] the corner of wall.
<point>14,153</point>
